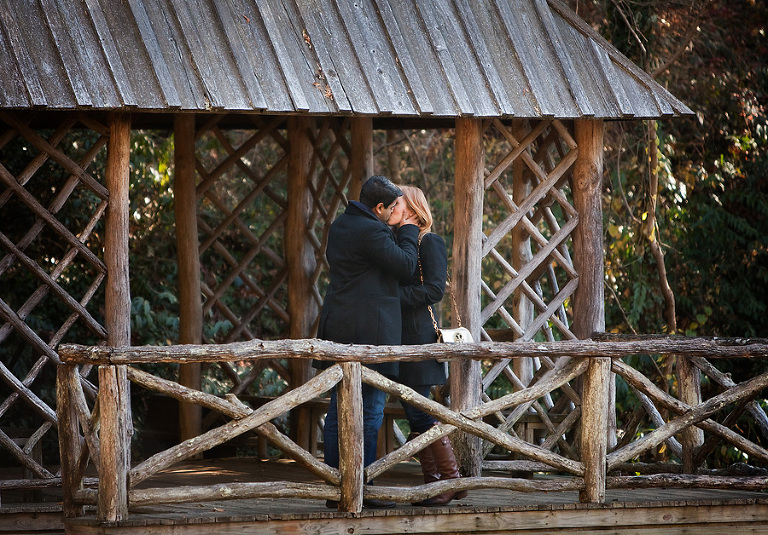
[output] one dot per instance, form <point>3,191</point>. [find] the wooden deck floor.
<point>647,512</point>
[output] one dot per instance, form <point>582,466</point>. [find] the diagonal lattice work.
<point>52,204</point>
<point>730,416</point>
<point>242,208</point>
<point>528,275</point>
<point>331,176</point>
<point>528,225</point>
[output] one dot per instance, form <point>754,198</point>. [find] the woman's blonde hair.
<point>417,203</point>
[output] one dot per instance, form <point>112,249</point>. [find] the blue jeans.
<point>373,415</point>
<point>419,420</point>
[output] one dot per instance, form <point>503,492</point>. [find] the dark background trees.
<point>711,210</point>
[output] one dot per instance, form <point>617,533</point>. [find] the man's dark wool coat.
<point>367,261</point>
<point>415,297</point>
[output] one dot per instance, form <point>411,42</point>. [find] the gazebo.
<point>314,79</point>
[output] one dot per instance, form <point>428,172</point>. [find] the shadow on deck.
<point>654,511</point>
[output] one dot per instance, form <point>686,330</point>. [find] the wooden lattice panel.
<point>732,411</point>
<point>242,208</point>
<point>330,178</point>
<point>52,203</point>
<point>528,186</point>
<point>528,275</point>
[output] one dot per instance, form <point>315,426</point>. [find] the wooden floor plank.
<point>488,511</point>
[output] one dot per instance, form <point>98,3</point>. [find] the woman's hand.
<point>409,218</point>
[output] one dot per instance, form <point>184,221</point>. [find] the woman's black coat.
<point>367,261</point>
<point>417,322</point>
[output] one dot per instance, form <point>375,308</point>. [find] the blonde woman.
<point>418,293</point>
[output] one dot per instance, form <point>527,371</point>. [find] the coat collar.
<point>358,208</point>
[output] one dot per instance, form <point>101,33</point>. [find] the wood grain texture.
<point>350,411</point>
<point>314,348</point>
<point>404,58</point>
<point>114,390</point>
<point>465,376</point>
<point>188,258</point>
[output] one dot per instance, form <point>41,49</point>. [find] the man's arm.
<point>398,257</point>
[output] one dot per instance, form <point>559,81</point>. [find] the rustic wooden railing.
<point>102,434</point>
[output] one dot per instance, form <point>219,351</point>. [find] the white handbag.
<point>459,335</point>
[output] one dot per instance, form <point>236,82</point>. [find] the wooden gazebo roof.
<point>397,58</point>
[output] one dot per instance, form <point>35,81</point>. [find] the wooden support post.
<point>594,431</point>
<point>588,304</point>
<point>361,161</point>
<point>188,257</point>
<point>466,375</point>
<point>300,257</point>
<point>692,438</point>
<point>69,440</point>
<point>588,300</point>
<point>114,389</point>
<point>350,410</point>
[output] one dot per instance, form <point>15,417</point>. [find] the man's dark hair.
<point>379,189</point>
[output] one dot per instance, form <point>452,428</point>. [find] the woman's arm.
<point>434,267</point>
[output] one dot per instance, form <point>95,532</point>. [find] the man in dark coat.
<point>362,305</point>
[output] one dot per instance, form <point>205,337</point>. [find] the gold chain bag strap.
<point>456,335</point>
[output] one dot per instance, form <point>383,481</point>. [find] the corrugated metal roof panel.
<point>484,58</point>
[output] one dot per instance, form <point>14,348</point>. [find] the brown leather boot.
<point>442,452</point>
<point>427,461</point>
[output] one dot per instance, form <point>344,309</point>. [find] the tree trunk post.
<point>300,257</point>
<point>361,162</point>
<point>114,389</point>
<point>588,300</point>
<point>188,255</point>
<point>69,440</point>
<point>692,438</point>
<point>588,303</point>
<point>350,411</point>
<point>594,429</point>
<point>466,375</point>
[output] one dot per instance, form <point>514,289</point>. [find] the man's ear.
<point>379,208</point>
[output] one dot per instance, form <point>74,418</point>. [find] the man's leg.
<point>373,415</point>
